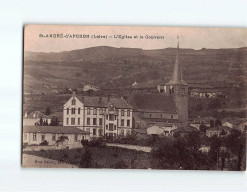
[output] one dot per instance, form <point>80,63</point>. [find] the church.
<point>167,108</point>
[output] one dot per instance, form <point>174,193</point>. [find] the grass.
<point>106,157</point>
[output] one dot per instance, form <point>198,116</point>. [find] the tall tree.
<point>211,123</point>
<point>48,110</point>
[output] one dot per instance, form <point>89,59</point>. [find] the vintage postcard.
<point>134,97</point>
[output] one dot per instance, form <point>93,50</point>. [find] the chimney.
<point>73,93</point>
<point>100,100</point>
<point>25,114</point>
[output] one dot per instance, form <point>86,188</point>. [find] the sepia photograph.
<point>134,97</point>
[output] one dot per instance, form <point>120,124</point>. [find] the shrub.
<point>84,142</point>
<point>120,165</point>
<point>65,155</point>
<point>44,143</point>
<point>97,142</point>
<point>116,154</point>
<point>86,158</point>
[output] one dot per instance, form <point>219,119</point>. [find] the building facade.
<point>100,116</point>
<point>35,135</point>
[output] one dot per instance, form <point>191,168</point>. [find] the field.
<point>102,157</point>
<point>109,67</point>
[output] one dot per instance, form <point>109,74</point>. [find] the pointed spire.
<point>177,72</point>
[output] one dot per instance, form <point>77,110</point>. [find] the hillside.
<point>109,67</point>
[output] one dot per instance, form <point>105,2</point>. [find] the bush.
<point>65,155</point>
<point>120,165</point>
<point>44,143</point>
<point>86,158</point>
<point>84,142</point>
<point>96,142</point>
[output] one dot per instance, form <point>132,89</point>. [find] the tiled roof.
<point>36,115</point>
<point>94,101</point>
<point>152,103</point>
<point>162,124</point>
<point>53,129</point>
<point>185,129</point>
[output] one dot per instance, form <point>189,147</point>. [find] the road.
<point>132,147</point>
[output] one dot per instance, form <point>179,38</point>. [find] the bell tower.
<point>178,89</point>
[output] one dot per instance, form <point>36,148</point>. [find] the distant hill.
<point>109,67</point>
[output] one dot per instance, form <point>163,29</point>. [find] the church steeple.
<point>177,77</point>
<point>178,89</point>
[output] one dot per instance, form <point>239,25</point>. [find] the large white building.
<point>101,116</point>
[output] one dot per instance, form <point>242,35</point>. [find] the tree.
<point>48,110</point>
<point>211,123</point>
<point>165,154</point>
<point>203,128</point>
<point>54,121</point>
<point>215,144</point>
<point>218,122</point>
<point>180,153</point>
<point>236,143</point>
<point>41,121</point>
<point>86,158</point>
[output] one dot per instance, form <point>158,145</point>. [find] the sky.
<point>194,38</point>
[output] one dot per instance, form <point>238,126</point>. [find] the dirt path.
<point>132,147</point>
<point>32,161</point>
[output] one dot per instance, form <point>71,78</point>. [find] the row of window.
<point>101,111</point>
<point>73,111</point>
<point>100,132</point>
<point>73,121</point>
<point>53,137</point>
<point>155,116</point>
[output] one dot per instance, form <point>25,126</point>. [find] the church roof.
<point>152,103</point>
<point>177,77</point>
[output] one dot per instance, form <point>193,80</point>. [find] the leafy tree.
<point>180,153</point>
<point>203,128</point>
<point>236,143</point>
<point>41,121</point>
<point>215,144</point>
<point>54,121</point>
<point>165,154</point>
<point>211,123</point>
<point>48,110</point>
<point>86,158</point>
<point>218,122</point>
